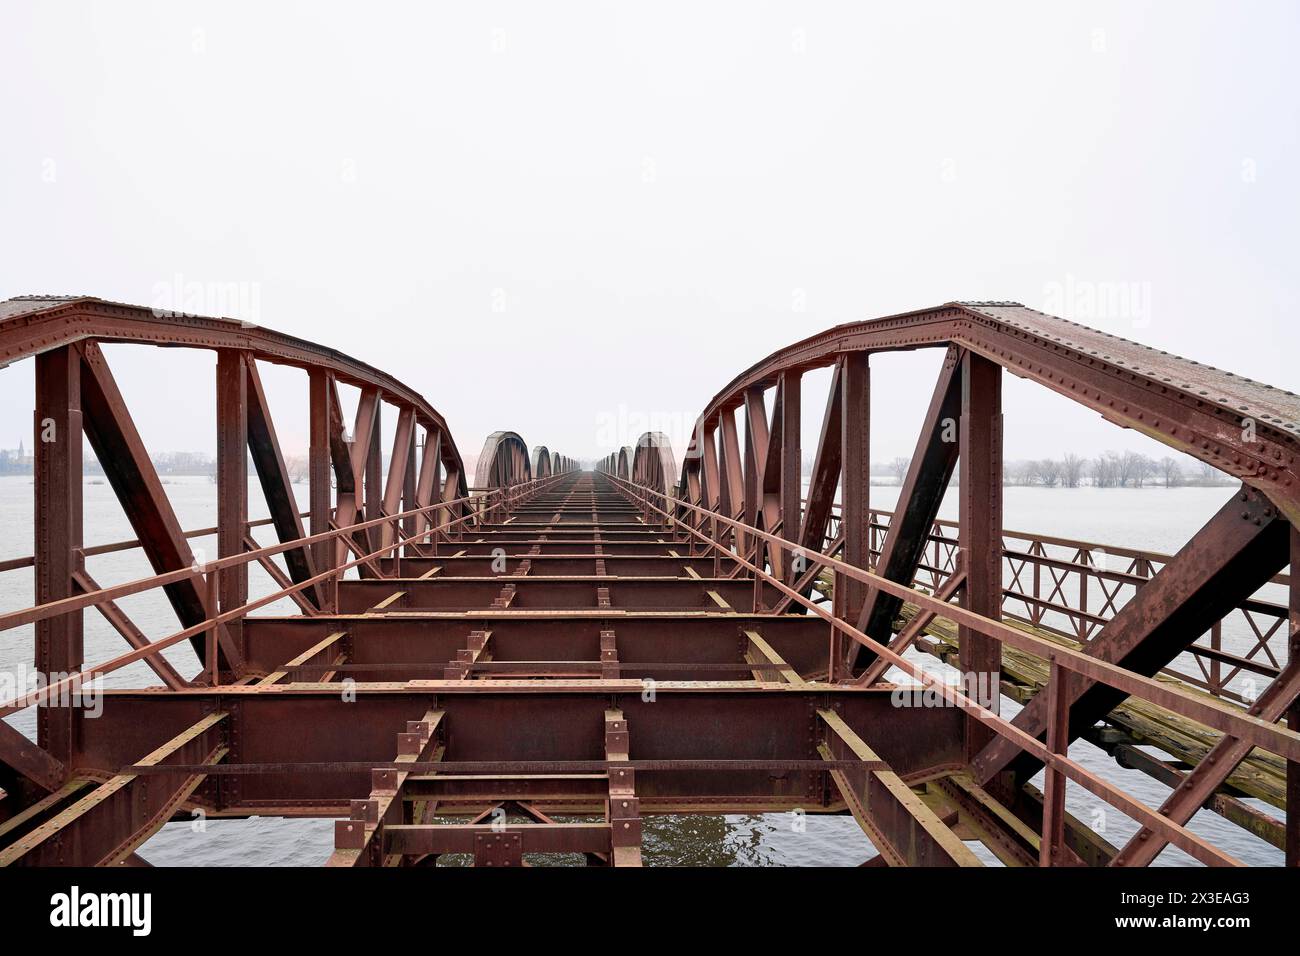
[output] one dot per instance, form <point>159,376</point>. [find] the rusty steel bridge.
<point>533,659</point>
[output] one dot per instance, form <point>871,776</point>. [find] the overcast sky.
<point>571,219</point>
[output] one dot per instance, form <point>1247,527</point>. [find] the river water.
<point>1155,519</point>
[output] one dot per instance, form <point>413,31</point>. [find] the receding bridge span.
<point>535,662</point>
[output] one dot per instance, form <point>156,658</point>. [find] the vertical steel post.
<point>1051,849</point>
<point>791,466</point>
<point>409,500</point>
<point>57,444</point>
<point>373,467</point>
<point>980,534</point>
<point>855,475</point>
<point>836,657</point>
<point>214,585</point>
<point>232,480</point>
<point>755,455</point>
<point>732,479</point>
<point>318,473</point>
<point>1293,714</point>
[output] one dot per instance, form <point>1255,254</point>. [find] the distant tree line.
<point>166,463</point>
<point>1129,469</point>
<point>1111,469</point>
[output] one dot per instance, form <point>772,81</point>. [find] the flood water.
<point>1154,519</point>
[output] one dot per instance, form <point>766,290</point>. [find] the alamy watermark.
<point>69,689</point>
<point>1088,301</point>
<point>624,426</point>
<point>984,688</point>
<point>184,297</point>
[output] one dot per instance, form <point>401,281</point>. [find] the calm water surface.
<point>1155,519</point>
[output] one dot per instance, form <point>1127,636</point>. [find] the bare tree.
<point>1105,470</point>
<point>1049,472</point>
<point>1207,474</point>
<point>1170,471</point>
<point>1143,469</point>
<point>899,467</point>
<point>1071,470</point>
<point>1133,468</point>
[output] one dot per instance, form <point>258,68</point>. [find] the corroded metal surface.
<point>471,666</point>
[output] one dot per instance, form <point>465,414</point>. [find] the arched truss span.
<point>1247,429</point>
<point>618,463</point>
<point>76,391</point>
<point>652,462</point>
<point>503,461</point>
<point>752,471</point>
<point>544,463</point>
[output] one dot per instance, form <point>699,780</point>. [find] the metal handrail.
<point>41,612</point>
<point>1230,722</point>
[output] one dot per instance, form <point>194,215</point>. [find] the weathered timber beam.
<point>1200,784</point>
<point>1229,559</point>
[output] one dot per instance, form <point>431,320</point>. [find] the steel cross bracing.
<point>534,662</point>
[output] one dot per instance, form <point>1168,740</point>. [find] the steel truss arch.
<point>651,463</point>
<point>76,391</point>
<point>504,461</point>
<point>751,472</point>
<point>1186,405</point>
<point>544,462</point>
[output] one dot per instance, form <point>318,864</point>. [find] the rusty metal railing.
<point>1061,585</point>
<point>478,508</point>
<point>1063,661</point>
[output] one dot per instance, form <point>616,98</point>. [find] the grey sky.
<point>559,218</point>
